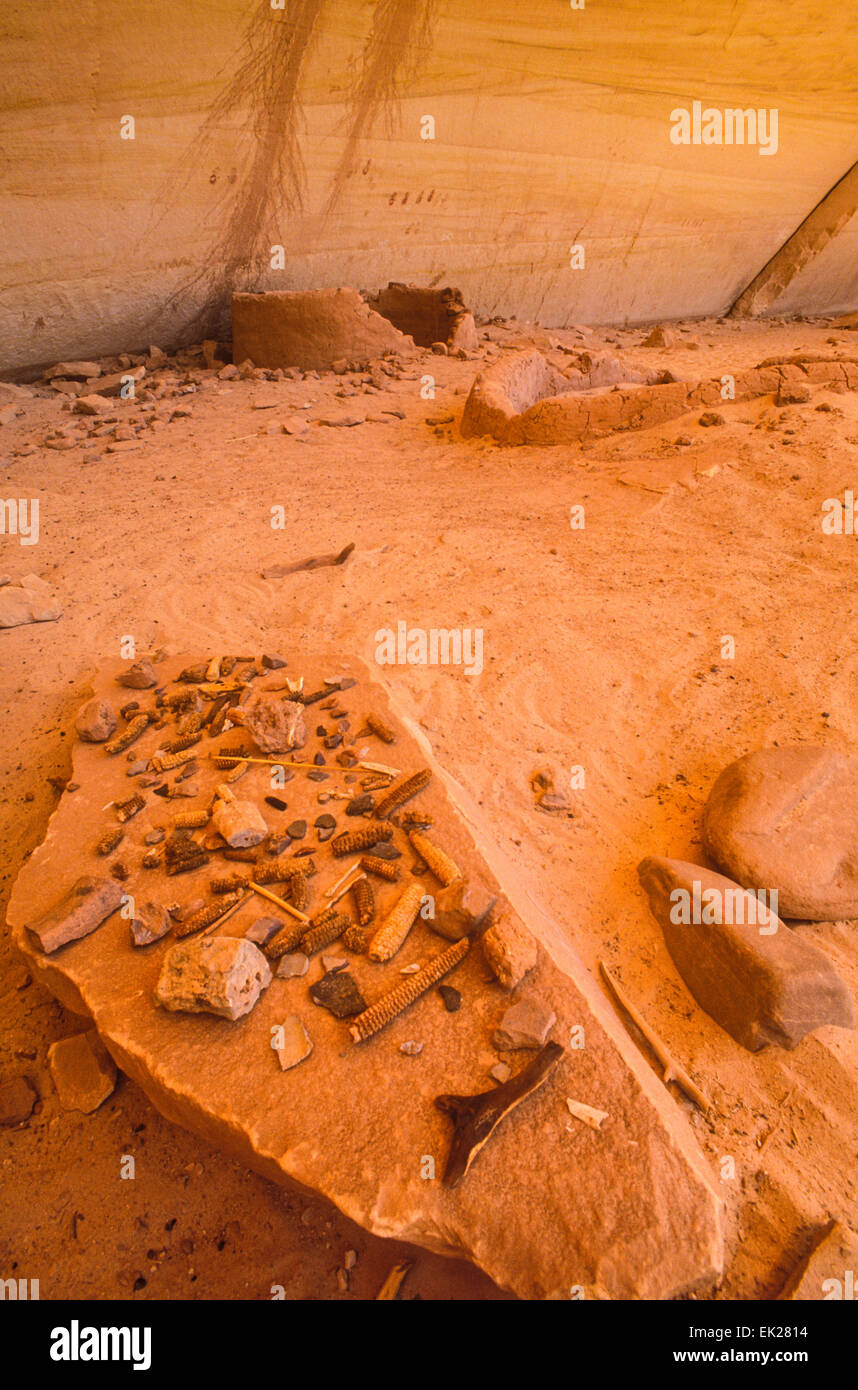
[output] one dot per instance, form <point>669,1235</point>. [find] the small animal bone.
<point>587,1113</point>
<point>475,1118</point>
<point>672,1070</point>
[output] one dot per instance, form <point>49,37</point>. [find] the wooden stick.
<point>281,762</point>
<point>475,1118</point>
<point>672,1070</point>
<point>273,898</point>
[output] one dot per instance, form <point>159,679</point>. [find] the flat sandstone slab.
<point>628,1211</point>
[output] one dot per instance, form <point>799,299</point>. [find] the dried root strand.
<point>443,867</point>
<point>364,901</point>
<point>401,792</point>
<point>207,916</point>
<point>108,842</point>
<point>356,939</point>
<point>380,729</point>
<point>323,933</point>
<point>191,820</point>
<point>129,735</point>
<point>126,809</point>
<point>352,841</point>
<point>397,924</point>
<point>382,868</point>
<point>397,1000</point>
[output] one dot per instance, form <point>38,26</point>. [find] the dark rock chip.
<point>360,805</point>
<point>338,992</point>
<point>452,998</point>
<point>297,830</point>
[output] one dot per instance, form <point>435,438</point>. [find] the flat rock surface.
<point>787,819</point>
<point>631,1212</point>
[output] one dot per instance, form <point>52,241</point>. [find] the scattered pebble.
<point>411,1049</point>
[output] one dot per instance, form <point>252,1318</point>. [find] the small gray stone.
<point>525,1024</point>
<point>262,930</point>
<point>293,965</point>
<point>149,924</point>
<point>411,1048</point>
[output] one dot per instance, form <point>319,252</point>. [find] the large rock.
<point>787,819</point>
<point>310,329</point>
<point>221,975</point>
<point>632,1212</point>
<point>275,724</point>
<point>95,721</point>
<point>87,904</point>
<point>760,981</point>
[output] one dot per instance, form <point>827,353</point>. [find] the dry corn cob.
<point>399,794</point>
<point>279,870</point>
<point>299,891</point>
<point>356,939</point>
<point>364,901</point>
<point>190,724</point>
<point>285,940</point>
<point>126,809</point>
<point>229,883</point>
<point>151,859</point>
<point>179,699</point>
<point>324,933</point>
<point>354,840</point>
<point>108,842</point>
<point>207,916</point>
<point>382,868</point>
<point>129,735</point>
<point>379,1014</point>
<point>188,862</point>
<point>191,820</point>
<point>168,761</point>
<point>380,729</point>
<point>397,924</point>
<point>442,866</point>
<point>237,772</point>
<point>241,856</point>
<point>178,745</point>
